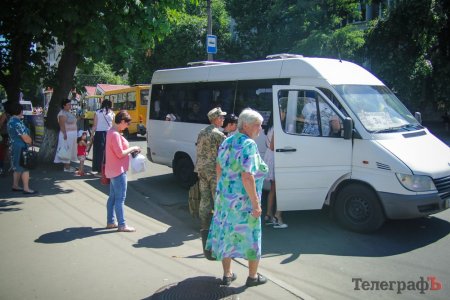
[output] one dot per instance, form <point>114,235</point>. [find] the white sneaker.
<point>70,170</point>
<point>280,225</point>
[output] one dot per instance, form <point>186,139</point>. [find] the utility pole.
<point>208,10</point>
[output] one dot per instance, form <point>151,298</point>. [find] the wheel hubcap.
<point>357,209</point>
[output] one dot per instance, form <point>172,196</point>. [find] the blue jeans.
<point>116,200</point>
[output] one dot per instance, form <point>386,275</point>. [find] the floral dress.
<point>16,128</point>
<point>234,232</point>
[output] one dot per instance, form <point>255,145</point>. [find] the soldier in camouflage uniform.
<point>208,142</point>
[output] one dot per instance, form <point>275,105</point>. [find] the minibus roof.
<point>334,71</point>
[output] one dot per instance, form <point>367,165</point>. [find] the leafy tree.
<point>186,41</point>
<point>86,29</point>
<point>400,48</point>
<point>277,26</point>
<point>90,73</point>
<point>21,24</point>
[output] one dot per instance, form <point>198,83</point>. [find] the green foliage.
<point>104,30</point>
<point>277,26</point>
<point>343,43</point>
<point>185,43</point>
<point>400,48</point>
<point>90,74</point>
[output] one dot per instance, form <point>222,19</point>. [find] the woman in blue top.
<point>19,136</point>
<point>235,229</point>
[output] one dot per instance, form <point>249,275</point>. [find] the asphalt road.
<point>53,246</point>
<point>324,261</point>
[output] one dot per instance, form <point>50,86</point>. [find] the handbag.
<point>104,180</point>
<point>28,158</point>
<point>63,152</point>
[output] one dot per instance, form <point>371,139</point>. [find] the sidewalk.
<point>54,246</point>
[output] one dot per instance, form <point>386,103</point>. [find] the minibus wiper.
<point>408,127</point>
<point>392,129</point>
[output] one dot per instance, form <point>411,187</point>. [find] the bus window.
<point>131,103</point>
<point>145,96</point>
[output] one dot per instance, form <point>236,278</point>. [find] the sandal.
<point>255,281</point>
<point>227,280</point>
<point>126,229</point>
<point>111,226</point>
<point>30,192</point>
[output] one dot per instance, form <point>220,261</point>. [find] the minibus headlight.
<point>416,183</point>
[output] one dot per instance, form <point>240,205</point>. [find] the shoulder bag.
<point>104,180</point>
<point>28,158</point>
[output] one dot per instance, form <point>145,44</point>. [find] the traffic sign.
<point>211,44</point>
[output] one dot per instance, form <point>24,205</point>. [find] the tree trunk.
<point>48,146</point>
<point>64,77</point>
<point>12,80</point>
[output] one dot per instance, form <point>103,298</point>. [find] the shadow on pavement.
<point>71,234</point>
<point>309,232</point>
<point>201,287</point>
<point>5,205</point>
<point>173,237</point>
<point>46,179</point>
<point>315,233</point>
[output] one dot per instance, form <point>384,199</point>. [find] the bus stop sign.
<point>211,44</point>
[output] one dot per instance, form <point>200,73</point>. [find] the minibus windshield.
<point>378,109</point>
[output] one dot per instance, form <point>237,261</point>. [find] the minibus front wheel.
<point>357,208</point>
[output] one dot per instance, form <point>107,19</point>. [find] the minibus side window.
<point>305,112</point>
<point>257,94</point>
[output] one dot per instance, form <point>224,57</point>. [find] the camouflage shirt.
<point>208,142</point>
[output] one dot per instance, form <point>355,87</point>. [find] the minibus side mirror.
<point>418,117</point>
<point>348,128</point>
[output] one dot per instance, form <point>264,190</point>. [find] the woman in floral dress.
<point>235,230</point>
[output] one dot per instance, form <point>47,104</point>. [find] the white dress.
<point>269,156</point>
<point>71,142</point>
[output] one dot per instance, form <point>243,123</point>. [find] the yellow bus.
<point>89,104</point>
<point>134,99</point>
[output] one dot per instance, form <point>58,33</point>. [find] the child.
<point>82,144</point>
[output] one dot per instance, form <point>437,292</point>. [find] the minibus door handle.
<point>286,150</point>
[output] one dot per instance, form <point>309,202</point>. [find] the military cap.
<point>215,113</point>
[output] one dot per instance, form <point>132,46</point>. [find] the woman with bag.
<point>103,121</point>
<point>67,139</point>
<point>20,138</point>
<point>116,166</point>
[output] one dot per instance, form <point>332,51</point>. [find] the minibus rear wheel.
<point>357,208</point>
<point>183,169</point>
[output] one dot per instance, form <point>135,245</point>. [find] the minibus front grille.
<point>443,186</point>
<point>383,166</point>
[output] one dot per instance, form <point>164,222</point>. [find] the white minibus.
<point>342,138</point>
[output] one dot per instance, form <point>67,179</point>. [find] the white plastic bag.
<point>138,163</point>
<point>63,151</point>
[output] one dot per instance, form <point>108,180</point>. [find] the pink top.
<point>115,163</point>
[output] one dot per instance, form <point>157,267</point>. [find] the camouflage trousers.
<point>207,186</point>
